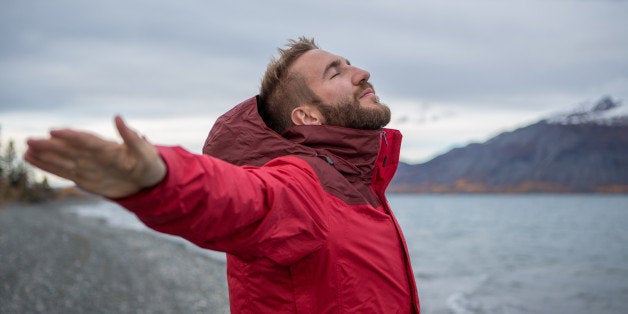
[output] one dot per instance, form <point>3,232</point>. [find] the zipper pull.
<point>384,138</point>
<point>327,158</point>
<point>329,161</point>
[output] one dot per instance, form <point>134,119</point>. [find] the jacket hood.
<point>241,137</point>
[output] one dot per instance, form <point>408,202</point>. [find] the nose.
<point>359,75</point>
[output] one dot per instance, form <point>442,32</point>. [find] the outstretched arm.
<point>97,165</point>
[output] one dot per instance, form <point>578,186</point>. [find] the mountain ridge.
<point>583,151</point>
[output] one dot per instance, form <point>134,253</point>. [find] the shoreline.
<point>54,261</point>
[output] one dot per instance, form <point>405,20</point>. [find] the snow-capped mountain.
<point>605,111</point>
<point>584,151</point>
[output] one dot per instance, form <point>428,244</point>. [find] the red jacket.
<point>302,215</point>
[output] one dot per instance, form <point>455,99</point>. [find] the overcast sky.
<point>453,72</point>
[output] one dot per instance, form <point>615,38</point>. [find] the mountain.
<point>583,151</point>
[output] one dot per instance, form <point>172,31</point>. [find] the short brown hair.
<point>282,90</point>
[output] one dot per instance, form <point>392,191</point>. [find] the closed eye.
<point>335,66</point>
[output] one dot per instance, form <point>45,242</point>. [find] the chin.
<point>370,102</point>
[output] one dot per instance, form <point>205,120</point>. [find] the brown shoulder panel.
<point>352,190</point>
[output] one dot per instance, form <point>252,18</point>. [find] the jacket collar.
<point>241,137</point>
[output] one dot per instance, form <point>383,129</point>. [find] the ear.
<point>306,115</point>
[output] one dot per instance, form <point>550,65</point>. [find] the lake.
<point>518,253</point>
<point>500,253</point>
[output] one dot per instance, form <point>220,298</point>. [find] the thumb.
<point>131,138</point>
<point>150,168</point>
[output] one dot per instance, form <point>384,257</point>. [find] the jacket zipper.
<point>385,140</point>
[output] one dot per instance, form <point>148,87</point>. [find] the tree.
<point>1,167</point>
<point>16,179</point>
<point>3,188</point>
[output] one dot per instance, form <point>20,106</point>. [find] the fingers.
<point>64,152</point>
<point>80,139</point>
<point>50,160</point>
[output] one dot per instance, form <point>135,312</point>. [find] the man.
<point>292,189</point>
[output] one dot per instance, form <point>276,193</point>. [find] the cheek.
<point>332,93</point>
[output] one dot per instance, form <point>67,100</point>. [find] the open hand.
<point>97,165</point>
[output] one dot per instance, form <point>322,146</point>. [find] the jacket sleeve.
<point>273,211</point>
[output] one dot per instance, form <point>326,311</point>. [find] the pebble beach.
<point>53,261</point>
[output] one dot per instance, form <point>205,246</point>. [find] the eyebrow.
<point>334,64</point>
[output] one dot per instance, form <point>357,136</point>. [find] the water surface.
<point>518,253</point>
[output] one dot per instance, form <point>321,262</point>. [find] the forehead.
<point>314,62</point>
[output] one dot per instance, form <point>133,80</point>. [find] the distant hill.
<point>584,151</point>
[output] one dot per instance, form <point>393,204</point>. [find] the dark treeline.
<point>17,182</point>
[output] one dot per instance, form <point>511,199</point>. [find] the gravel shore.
<point>53,261</point>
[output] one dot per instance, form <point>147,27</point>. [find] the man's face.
<point>347,98</point>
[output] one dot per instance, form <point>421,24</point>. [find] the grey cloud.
<point>64,53</point>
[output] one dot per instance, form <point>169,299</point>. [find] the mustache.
<point>364,85</point>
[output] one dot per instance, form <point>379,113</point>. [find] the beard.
<point>349,113</point>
